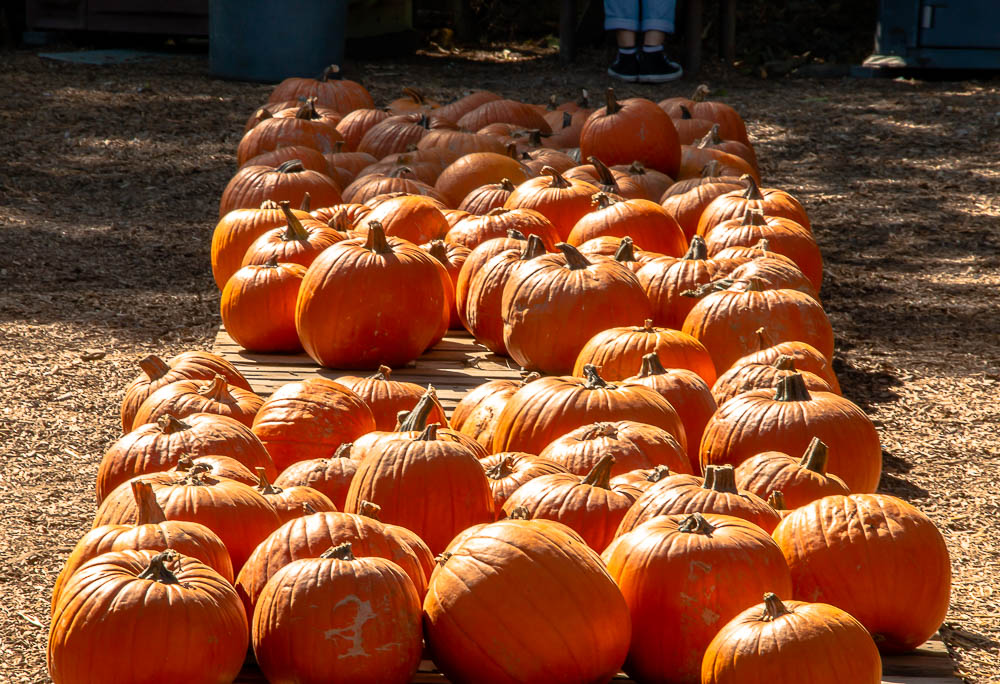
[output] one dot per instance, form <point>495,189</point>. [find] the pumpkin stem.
<point>602,200</point>
<point>723,481</point>
<point>709,477</point>
<point>584,100</point>
<point>552,104</point>
<point>710,139</point>
<point>754,217</point>
<point>344,450</point>
<point>217,390</point>
<point>698,250</point>
<point>520,513</point>
<point>501,469</point>
<point>506,185</point>
<point>262,114</point>
<point>696,524</point>
<point>754,285</point>
<point>148,509</point>
<point>594,380</point>
<point>157,568</point>
<point>291,166</point>
<point>154,367</point>
<point>269,204</point>
<point>708,288</point>
<point>557,180</point>
<point>332,72</point>
<point>413,94</point>
<point>515,234</point>
<point>610,103</point>
<point>777,500</point>
<point>602,429</point>
<point>306,203</point>
<point>263,486</point>
<point>533,248</point>
<point>294,230</point>
<point>307,508</point>
<point>784,362</point>
<point>338,146</point>
<point>429,433</point>
<point>604,175</point>
<point>168,424</point>
<point>342,552</point>
<point>792,388</point>
<point>700,93</point>
<point>637,169</point>
<point>369,510</point>
<point>626,251</point>
<point>186,465</point>
<point>443,557</point>
<point>416,419</point>
<point>399,171</point>
<point>711,169</point>
<point>600,474</point>
<point>651,365</point>
<point>377,241</point>
<point>763,339</point>
<point>685,112</point>
<point>773,608</point>
<point>567,120</point>
<point>382,373</point>
<point>437,249</point>
<point>658,473</point>
<point>530,377</point>
<point>815,457</point>
<point>753,191</point>
<point>574,260</point>
<point>307,110</point>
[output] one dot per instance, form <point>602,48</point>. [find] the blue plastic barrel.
<point>270,40</point>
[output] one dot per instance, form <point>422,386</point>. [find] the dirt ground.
<point>109,183</point>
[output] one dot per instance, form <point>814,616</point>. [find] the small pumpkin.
<point>387,397</point>
<point>355,124</point>
<point>236,231</point>
<point>507,471</point>
<point>633,446</point>
<point>686,200</point>
<point>770,201</point>
<point>473,170</point>
<point>799,481</point>
<point>258,306</point>
<point>300,241</point>
<point>486,197</point>
<point>331,476</point>
<point>753,376</point>
<point>184,397</point>
<point>647,223</point>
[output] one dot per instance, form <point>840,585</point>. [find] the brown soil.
<point>109,183</point>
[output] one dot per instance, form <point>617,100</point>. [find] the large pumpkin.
<point>368,302</point>
<point>237,230</point>
<point>646,222</point>
<point>800,480</point>
<point>770,201</point>
<point>298,242</point>
<point>553,304</point>
<point>472,231</point>
<point>753,376</point>
<point>805,356</point>
<point>307,127</point>
<point>632,130</point>
<point>501,582</point>
<point>633,446</point>
<point>332,476</point>
<point>331,90</point>
<point>874,556</point>
<point>289,181</point>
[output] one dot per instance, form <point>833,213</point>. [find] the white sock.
<point>652,48</point>
<point>626,51</point>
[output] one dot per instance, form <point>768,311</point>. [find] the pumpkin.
<point>731,125</point>
<point>412,100</point>
<point>689,129</point>
<point>398,133</point>
<point>647,223</point>
<point>683,578</point>
<point>633,446</point>
<point>387,397</point>
<point>784,642</point>
<point>806,357</point>
<point>482,313</point>
<point>463,105</point>
<point>477,259</point>
<point>156,373</point>
<point>401,179</point>
<point>543,410</point>
<point>370,302</point>
<point>617,184</point>
<point>217,467</point>
<point>769,201</point>
<point>331,476</point>
<point>403,536</point>
<point>487,197</point>
<point>554,304</point>
<point>472,231</point>
<point>258,306</point>
<point>158,446</point>
<point>411,217</point>
<point>289,181</point>
<point>618,352</point>
<point>479,168</point>
<point>424,171</point>
<point>535,574</point>
<point>342,217</point>
<point>292,502</point>
<point>713,139</point>
<point>338,618</point>
<point>787,419</point>
<point>152,532</point>
<point>687,392</point>
<point>687,200</point>
<point>355,124</point>
<point>507,471</point>
<point>184,616</point>
<point>753,376</point>
<point>477,412</point>
<point>800,481</point>
<point>643,478</point>
<point>315,112</point>
<point>623,251</point>
<point>435,488</point>
<point>331,89</point>
<point>538,158</point>
<point>837,543</point>
<point>184,397</point>
<point>726,322</point>
<point>236,512</point>
<point>308,127</point>
<point>562,201</point>
<point>566,127</point>
<point>695,157</point>
<point>298,242</point>
<point>310,419</point>
<point>774,272</point>
<point>459,143</point>
<point>631,130</point>
<point>452,257</point>
<point>504,111</point>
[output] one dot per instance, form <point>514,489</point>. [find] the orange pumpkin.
<point>507,471</point>
<point>479,168</point>
<point>292,502</point>
<point>331,476</point>
<point>805,356</point>
<point>753,376</point>
<point>731,125</point>
<point>258,306</point>
<point>647,223</point>
<point>769,201</point>
<point>472,231</point>
<point>633,446</point>
<point>477,413</point>
<point>290,182</point>
<point>355,124</point>
<point>800,481</point>
<point>331,90</point>
<point>562,201</point>
<point>307,127</point>
<point>184,397</point>
<point>487,197</point>
<point>236,231</point>
<point>504,111</point>
<point>686,200</point>
<point>387,397</point>
<point>630,130</point>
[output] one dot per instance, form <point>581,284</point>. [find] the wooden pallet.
<point>455,366</point>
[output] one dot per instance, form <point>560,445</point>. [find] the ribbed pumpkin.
<point>486,197</point>
<point>770,201</point>
<point>616,184</point>
<point>713,139</point>
<point>310,419</point>
<point>152,532</point>
<point>689,129</point>
<point>652,182</point>
<point>189,365</point>
<point>787,419</point>
<point>433,487</point>
<point>687,392</point>
<point>463,105</point>
<point>451,257</point>
<point>331,476</point>
<point>331,89</point>
<point>479,168</point>
<point>696,156</point>
<point>387,397</point>
<point>535,574</point>
<point>459,143</point>
<point>790,642</point>
<point>507,471</point>
<point>562,201</point>
<point>311,535</point>
<point>686,200</point>
<point>477,413</point>
<point>731,125</point>
<point>647,223</point>
<point>340,619</point>
<point>480,254</point>
<point>717,494</point>
<point>482,313</point>
<point>364,303</point>
<point>258,306</point>
<point>554,304</point>
<point>544,410</point>
<point>217,467</point>
<point>403,536</point>
<point>838,545</point>
<point>622,250</point>
<point>504,111</point>
<point>308,127</point>
<point>754,376</point>
<point>402,179</point>
<point>355,124</point>
<point>726,322</point>
<point>397,133</point>
<point>618,352</point>
<point>182,614</point>
<point>587,504</point>
<point>237,230</point>
<point>410,217</point>
<point>774,274</point>
<point>800,480</point>
<point>683,578</point>
<point>632,130</point>
<point>806,357</point>
<point>473,231</point>
<point>184,397</point>
<point>633,446</point>
<point>311,159</point>
<point>300,241</point>
<point>289,182</point>
<point>293,502</point>
<point>642,479</point>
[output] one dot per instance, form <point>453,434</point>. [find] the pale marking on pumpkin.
<point>709,617</point>
<point>353,631</point>
<point>705,568</point>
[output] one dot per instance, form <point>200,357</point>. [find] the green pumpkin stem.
<point>723,480</point>
<point>148,511</point>
<point>784,362</point>
<point>753,190</point>
<point>777,500</point>
<point>217,390</point>
<point>773,608</point>
<point>382,373</point>
<point>500,470</point>
<point>611,104</point>
<point>157,568</point>
<point>626,251</point>
<point>341,552</point>
<point>377,241</point>
<point>263,486</point>
<point>792,388</point>
<point>651,365</point>
<point>557,180</point>
<point>369,510</point>
<point>416,419</point>
<point>168,424</point>
<point>698,250</point>
<point>594,380</point>
<point>533,248</point>
<point>600,474</point>
<point>154,367</point>
<point>429,433</point>
<point>696,523</point>
<point>574,259</point>
<point>816,456</point>
<point>294,230</point>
